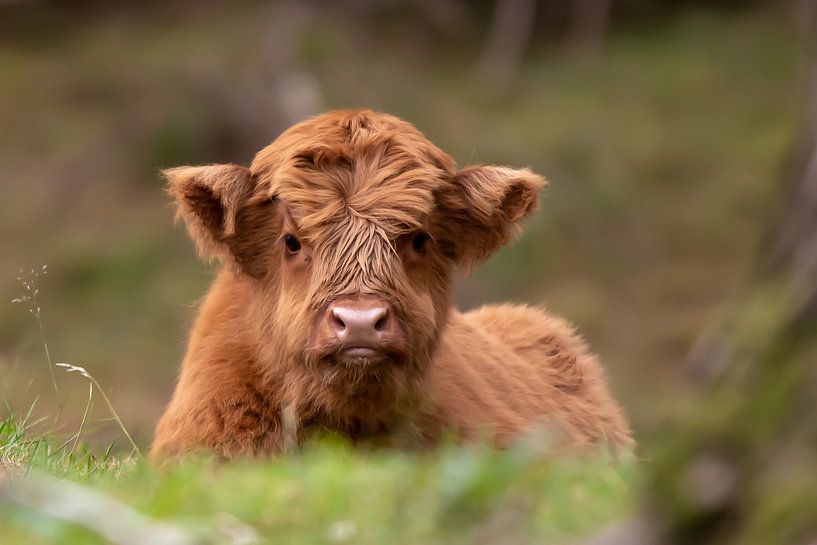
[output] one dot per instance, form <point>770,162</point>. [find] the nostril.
<point>336,320</point>
<point>382,323</point>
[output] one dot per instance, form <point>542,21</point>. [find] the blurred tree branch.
<point>739,467</point>
<point>508,36</point>
<point>450,17</point>
<point>588,23</point>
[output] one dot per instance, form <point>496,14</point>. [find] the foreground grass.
<point>327,493</point>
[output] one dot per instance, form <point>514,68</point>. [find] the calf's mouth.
<point>358,331</point>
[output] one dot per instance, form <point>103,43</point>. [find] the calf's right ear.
<point>211,200</point>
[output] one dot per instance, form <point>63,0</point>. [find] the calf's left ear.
<point>483,209</point>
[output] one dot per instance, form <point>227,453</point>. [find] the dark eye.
<point>419,242</point>
<point>292,243</point>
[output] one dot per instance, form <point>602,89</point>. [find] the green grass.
<point>328,492</point>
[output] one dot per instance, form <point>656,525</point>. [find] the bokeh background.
<point>662,125</point>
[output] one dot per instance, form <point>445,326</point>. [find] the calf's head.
<point>346,230</point>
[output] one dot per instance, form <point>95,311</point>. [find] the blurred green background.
<point>661,125</point>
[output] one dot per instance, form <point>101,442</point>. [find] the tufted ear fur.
<point>483,209</point>
<point>222,217</point>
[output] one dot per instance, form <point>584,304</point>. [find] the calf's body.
<point>331,310</point>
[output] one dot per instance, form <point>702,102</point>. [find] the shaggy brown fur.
<point>378,211</point>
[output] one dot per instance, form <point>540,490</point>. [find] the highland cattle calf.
<point>332,306</point>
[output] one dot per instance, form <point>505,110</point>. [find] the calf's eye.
<point>292,243</point>
<point>419,242</point>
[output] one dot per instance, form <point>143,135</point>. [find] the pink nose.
<point>361,325</point>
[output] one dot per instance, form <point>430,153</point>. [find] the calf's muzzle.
<point>360,327</point>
